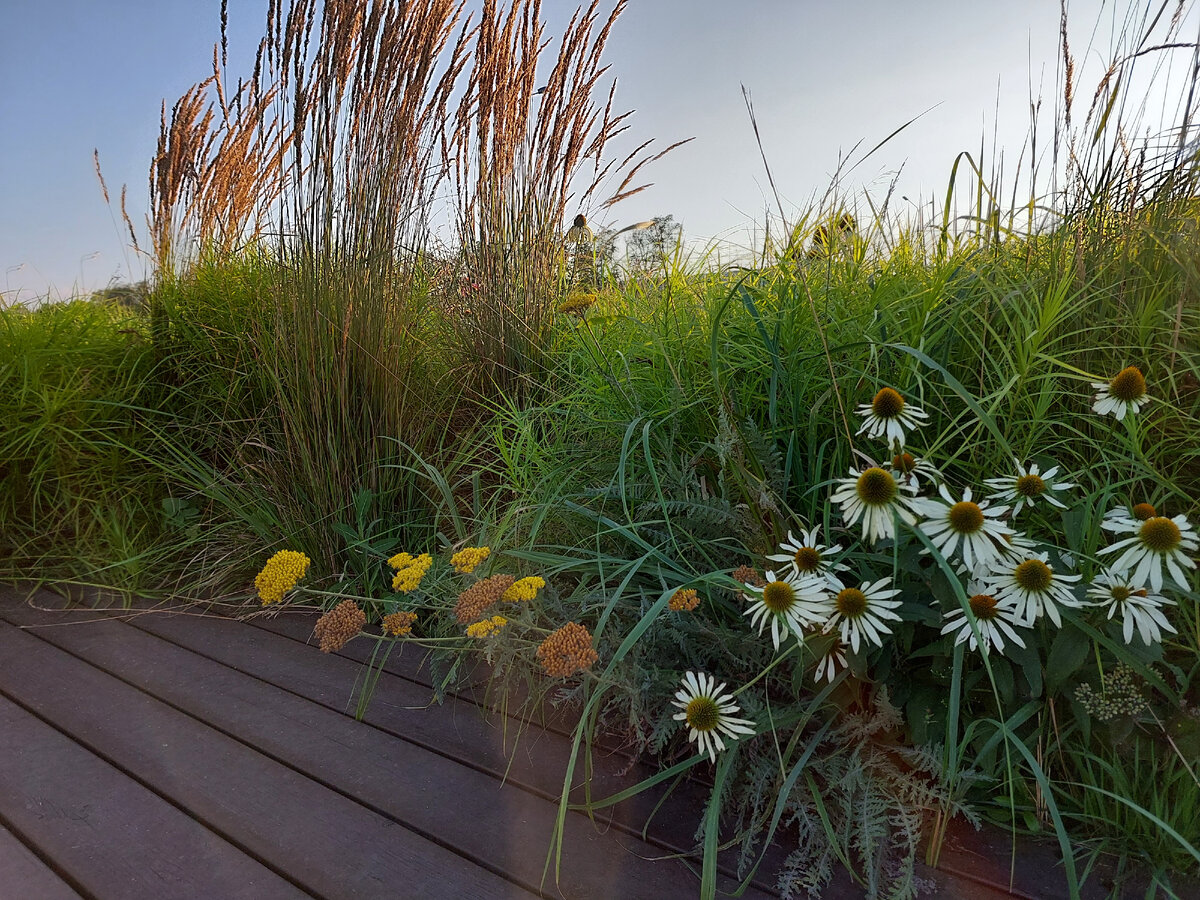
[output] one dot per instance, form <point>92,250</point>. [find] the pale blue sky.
<point>824,75</point>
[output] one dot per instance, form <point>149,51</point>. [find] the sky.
<point>77,75</point>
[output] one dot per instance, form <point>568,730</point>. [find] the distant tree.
<point>132,296</point>
<point>648,249</point>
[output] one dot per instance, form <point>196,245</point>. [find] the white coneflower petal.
<point>875,497</point>
<point>1028,487</point>
<point>1156,543</point>
<point>1125,394</point>
<point>809,557</point>
<point>972,529</point>
<point>889,415</point>
<point>707,711</point>
<point>861,613</point>
<point>792,602</point>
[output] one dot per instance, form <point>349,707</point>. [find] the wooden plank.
<point>24,876</point>
<point>325,842</point>
<point>533,760</point>
<point>397,779</point>
<point>107,833</point>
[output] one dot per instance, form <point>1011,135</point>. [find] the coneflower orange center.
<point>1030,485</point>
<point>1144,511</point>
<point>1128,385</point>
<point>984,606</point>
<point>1160,534</point>
<point>904,462</point>
<point>965,517</point>
<point>851,603</point>
<point>807,559</point>
<point>1033,575</point>
<point>702,714</point>
<point>876,487</point>
<point>779,596</point>
<point>887,403</point>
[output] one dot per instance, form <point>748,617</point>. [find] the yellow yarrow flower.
<point>524,590</point>
<point>486,627</point>
<point>410,570</point>
<point>280,575</point>
<point>466,559</point>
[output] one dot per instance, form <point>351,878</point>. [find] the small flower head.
<point>875,497</point>
<point>684,600</point>
<point>280,575</point>
<point>994,619</point>
<point>577,304</point>
<point>748,575</point>
<point>1157,543</point>
<point>337,627</point>
<point>523,590</point>
<point>410,570</point>
<point>972,529</point>
<point>1028,487</point>
<point>567,651</point>
<point>1029,582</point>
<point>708,712</point>
<point>1126,393</point>
<point>398,624</point>
<point>480,596</point>
<point>1119,695</point>
<point>466,559</point>
<point>888,415</point>
<point>1138,607</point>
<point>861,613</point>
<point>486,627</point>
<point>790,603</point>
<point>808,556</point>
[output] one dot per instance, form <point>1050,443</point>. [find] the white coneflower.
<point>1032,585</point>
<point>1156,542</point>
<point>975,527</point>
<point>708,713</point>
<point>1028,486</point>
<point>789,603</point>
<point>831,662</point>
<point>994,618</point>
<point>1138,607</point>
<point>1126,393</point>
<point>808,556</point>
<point>1128,520</point>
<point>910,470</point>
<point>888,414</point>
<point>859,613</point>
<point>875,497</point>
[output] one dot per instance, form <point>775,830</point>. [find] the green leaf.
<point>1067,654</point>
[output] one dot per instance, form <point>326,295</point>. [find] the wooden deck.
<point>159,755</point>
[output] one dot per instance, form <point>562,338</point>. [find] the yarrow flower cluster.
<point>398,624</point>
<point>486,627</point>
<point>281,573</point>
<point>410,570</point>
<point>684,600</point>
<point>466,559</point>
<point>567,651</point>
<point>480,596</point>
<point>523,590</point>
<point>1118,695</point>
<point>337,627</point>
